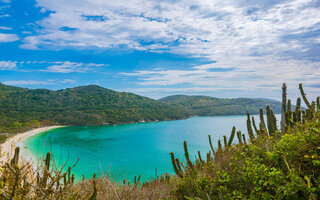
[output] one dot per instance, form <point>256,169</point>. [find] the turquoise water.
<point>124,151</point>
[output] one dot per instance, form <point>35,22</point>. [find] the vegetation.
<point>275,164</point>
<point>21,109</point>
<point>272,163</point>
<point>210,106</point>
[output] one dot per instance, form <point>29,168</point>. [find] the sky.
<point>156,48</point>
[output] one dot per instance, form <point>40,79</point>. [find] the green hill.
<point>21,108</point>
<point>86,105</point>
<point>209,106</point>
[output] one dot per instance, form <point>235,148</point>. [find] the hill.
<point>85,105</point>
<point>209,106</point>
<point>21,108</point>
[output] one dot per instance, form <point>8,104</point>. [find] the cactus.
<point>46,171</point>
<point>69,178</point>
<point>200,157</point>
<point>289,114</point>
<point>298,111</point>
<point>178,165</point>
<point>262,123</point>
<point>209,156</point>
<point>186,154</point>
<point>274,121</point>
<point>219,145</point>
<point>211,146</point>
<point>94,194</point>
<point>233,132</point>
<point>249,127</point>
<point>303,113</point>
<point>255,127</point>
<point>318,103</point>
<point>304,96</point>
<point>271,121</point>
<point>225,140</point>
<point>309,114</point>
<point>289,105</point>
<point>15,159</point>
<point>244,139</point>
<point>239,137</point>
<point>283,112</point>
<point>175,168</point>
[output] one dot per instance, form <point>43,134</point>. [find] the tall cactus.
<point>186,154</point>
<point>239,137</point>
<point>219,145</point>
<point>200,158</point>
<point>175,168</point>
<point>271,121</point>
<point>289,114</point>
<point>255,127</point>
<point>304,96</point>
<point>178,163</point>
<point>244,139</point>
<point>298,110</point>
<point>233,132</point>
<point>225,140</point>
<point>274,121</point>
<point>210,142</point>
<point>262,123</point>
<point>15,159</point>
<point>318,103</point>
<point>46,171</point>
<point>284,106</point>
<point>249,127</point>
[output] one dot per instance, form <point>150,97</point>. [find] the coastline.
<point>9,146</point>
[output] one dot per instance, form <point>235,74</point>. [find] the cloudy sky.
<point>222,48</point>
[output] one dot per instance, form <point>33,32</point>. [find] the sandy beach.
<point>9,146</point>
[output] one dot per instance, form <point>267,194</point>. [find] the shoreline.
<point>9,146</point>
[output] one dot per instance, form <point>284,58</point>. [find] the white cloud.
<point>8,37</point>
<point>37,82</point>
<point>266,74</point>
<point>68,81</point>
<point>4,15</point>
<point>68,67</point>
<point>28,82</point>
<point>8,65</point>
<point>264,42</point>
<point>5,28</point>
<point>211,29</point>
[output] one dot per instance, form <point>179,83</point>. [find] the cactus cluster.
<point>46,183</point>
<point>269,128</point>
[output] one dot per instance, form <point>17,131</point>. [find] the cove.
<point>126,150</point>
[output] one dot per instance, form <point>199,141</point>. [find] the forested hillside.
<point>210,106</point>
<point>21,108</point>
<point>84,105</point>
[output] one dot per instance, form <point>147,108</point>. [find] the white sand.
<point>7,148</point>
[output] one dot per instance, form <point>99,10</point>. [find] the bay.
<point>128,150</point>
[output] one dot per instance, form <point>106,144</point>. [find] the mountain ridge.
<point>96,105</point>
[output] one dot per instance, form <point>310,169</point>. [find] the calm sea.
<point>124,151</point>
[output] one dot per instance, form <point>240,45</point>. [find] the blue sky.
<point>222,48</point>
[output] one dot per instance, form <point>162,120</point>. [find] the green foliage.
<point>210,106</point>
<point>277,165</point>
<point>21,109</point>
